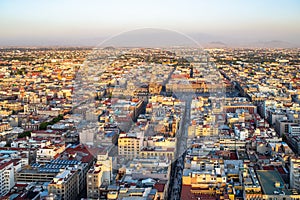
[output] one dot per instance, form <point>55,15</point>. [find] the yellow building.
<point>4,127</point>
<point>204,182</point>
<point>151,152</point>
<point>202,130</point>
<point>129,145</point>
<point>294,173</point>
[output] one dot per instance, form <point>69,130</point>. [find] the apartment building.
<point>65,185</point>
<point>6,177</point>
<point>295,173</point>
<point>130,144</point>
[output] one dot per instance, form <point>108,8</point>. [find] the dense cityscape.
<point>150,123</point>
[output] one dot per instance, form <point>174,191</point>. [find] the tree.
<point>24,134</point>
<point>43,125</point>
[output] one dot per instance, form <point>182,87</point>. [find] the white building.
<point>295,173</point>
<point>6,177</point>
<point>294,129</point>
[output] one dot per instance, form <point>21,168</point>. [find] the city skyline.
<point>234,23</point>
<point>149,100</point>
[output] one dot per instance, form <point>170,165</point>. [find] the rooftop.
<point>271,182</point>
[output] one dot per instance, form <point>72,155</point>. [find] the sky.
<point>88,22</point>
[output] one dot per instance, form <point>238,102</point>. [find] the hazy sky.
<point>67,22</point>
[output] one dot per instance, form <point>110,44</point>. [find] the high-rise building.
<point>99,173</point>
<point>64,185</point>
<point>295,173</point>
<point>294,129</point>
<point>6,177</point>
<point>94,181</point>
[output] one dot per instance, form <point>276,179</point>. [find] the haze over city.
<point>149,100</point>
<point>87,23</point>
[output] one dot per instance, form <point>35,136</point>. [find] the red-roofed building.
<point>161,189</point>
<point>233,156</point>
<point>189,193</point>
<point>83,153</point>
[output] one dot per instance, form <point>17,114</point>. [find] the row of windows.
<point>94,180</point>
<point>126,152</point>
<point>128,144</point>
<point>93,191</point>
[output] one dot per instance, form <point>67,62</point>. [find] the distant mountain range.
<point>149,37</point>
<point>272,44</point>
<point>215,44</point>
<point>258,44</point>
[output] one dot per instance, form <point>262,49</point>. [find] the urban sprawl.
<point>149,123</point>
